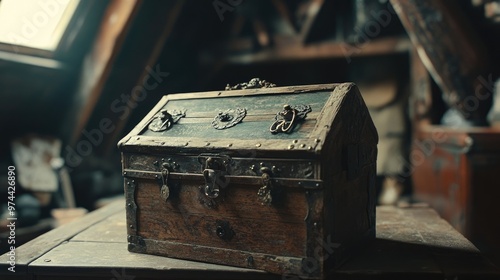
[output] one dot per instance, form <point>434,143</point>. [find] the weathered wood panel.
<point>190,218</point>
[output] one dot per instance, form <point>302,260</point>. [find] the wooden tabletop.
<point>411,243</point>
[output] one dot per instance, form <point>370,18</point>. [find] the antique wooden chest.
<point>279,179</point>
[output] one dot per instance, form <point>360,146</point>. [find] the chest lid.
<point>294,121</point>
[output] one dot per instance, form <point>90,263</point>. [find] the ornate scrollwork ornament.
<point>253,83</point>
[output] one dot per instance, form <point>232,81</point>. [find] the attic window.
<point>35,24</point>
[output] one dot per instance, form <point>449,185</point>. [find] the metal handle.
<point>165,120</point>
<point>286,119</point>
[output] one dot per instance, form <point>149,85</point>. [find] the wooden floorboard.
<point>87,259</point>
<point>42,244</point>
<point>110,230</point>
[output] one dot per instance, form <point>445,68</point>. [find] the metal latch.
<point>264,192</point>
<point>165,189</point>
<point>268,189</point>
<point>215,168</point>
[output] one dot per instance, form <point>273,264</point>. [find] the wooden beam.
<point>29,60</point>
<point>18,49</point>
<point>323,51</point>
<point>312,13</point>
<point>421,93</point>
<point>98,63</point>
<point>172,18</point>
<point>450,50</point>
<point>261,33</point>
<point>285,16</point>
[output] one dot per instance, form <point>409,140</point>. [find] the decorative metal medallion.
<point>253,83</point>
<point>286,120</point>
<point>229,118</point>
<point>165,120</point>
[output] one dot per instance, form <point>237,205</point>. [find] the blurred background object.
<point>494,114</point>
<point>32,156</point>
